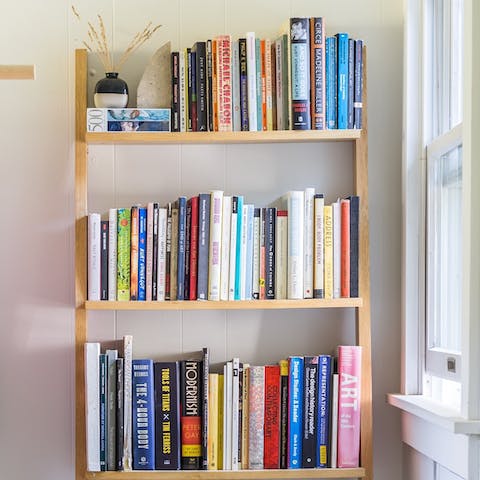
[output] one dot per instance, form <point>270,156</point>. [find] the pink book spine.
<point>224,85</point>
<point>149,263</point>
<point>349,371</point>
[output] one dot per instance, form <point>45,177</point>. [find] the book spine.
<point>92,405</point>
<point>270,219</point>
<point>104,260</point>
<point>191,409</point>
<point>296,226</point>
<point>238,249</point>
<point>256,255</point>
<point>225,246</point>
<point>310,406</point>
<point>123,253</point>
<point>201,88</point>
<point>149,254</point>
<point>354,244</point>
<point>182,91</point>
<point>334,423</point>
<point>134,254</point>
<point>331,83</point>
<point>174,254</point>
<point>188,237</point>
<point>308,244</point>
<point>258,83</point>
<point>112,254</point>
<point>168,253</point>
<point>269,71</point>
<point>103,411</point>
<point>351,82</point>
<point>154,252</point>
<point>273,84</point>
<point>143,415</point>
<point>224,70</point>
<point>279,83</point>
<point>249,253</point>
<point>213,421</point>
<point>295,412</point>
<point>283,413</point>
<point>256,406</point>
<point>215,84</point>
<point>215,243</point>
<point>317,71</point>
<point>349,372</point>
<point>342,86</point>
<point>300,71</point>
<point>323,418</point>
<point>181,253</point>
<point>242,47</point>
<point>241,388</point>
<point>194,249</point>
<point>272,417</point>
<point>203,245</point>
<point>94,256</point>
<point>243,253</point>
<point>127,402</point>
<point>192,70</point>
<point>175,92</point>
<point>111,395</point>
<point>236,120</point>
<point>235,411</point>
<point>205,412</point>
<point>318,291</point>
<point>263,83</point>
<point>251,81</point>
<point>227,415</point>
<point>345,248</point>
<point>263,273</point>
<point>167,416</point>
<point>142,253</point>
<point>358,105</point>
<point>328,251</point>
<point>209,85</point>
<point>119,415</point>
<point>336,221</point>
<point>245,415</point>
<point>162,253</point>
<point>221,399</point>
<point>281,239</point>
<point>233,249</point>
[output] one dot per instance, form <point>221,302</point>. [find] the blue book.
<point>351,81</point>
<point>103,411</point>
<point>258,63</point>
<point>249,256</point>
<point>324,400</point>
<point>142,253</point>
<point>238,256</point>
<point>143,413</point>
<point>181,257</point>
<point>357,104</point>
<point>331,83</point>
<point>203,245</point>
<point>295,411</point>
<point>342,85</point>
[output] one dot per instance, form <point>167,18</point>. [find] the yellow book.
<point>328,253</point>
<point>213,421</point>
<point>220,423</point>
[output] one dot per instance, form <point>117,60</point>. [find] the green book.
<point>123,254</point>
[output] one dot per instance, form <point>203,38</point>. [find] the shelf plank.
<point>228,474</point>
<point>274,136</point>
<point>17,72</point>
<point>226,305</point>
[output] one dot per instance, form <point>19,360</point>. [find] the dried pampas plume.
<point>98,45</point>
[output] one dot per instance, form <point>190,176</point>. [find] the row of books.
<point>301,80</point>
<point>217,247</point>
<point>303,412</point>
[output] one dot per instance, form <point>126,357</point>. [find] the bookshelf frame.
<point>82,305</point>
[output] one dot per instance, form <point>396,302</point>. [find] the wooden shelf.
<point>276,136</point>
<point>226,305</point>
<point>228,475</point>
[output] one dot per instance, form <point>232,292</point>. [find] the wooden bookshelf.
<point>361,306</point>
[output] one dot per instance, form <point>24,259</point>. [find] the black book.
<point>242,51</point>
<point>310,405</point>
<point>200,50</point>
<point>155,253</point>
<point>209,85</point>
<point>270,220</point>
<point>354,244</point>
<point>175,57</point>
<point>168,252</point>
<point>104,260</point>
<point>119,419</point>
<point>167,415</point>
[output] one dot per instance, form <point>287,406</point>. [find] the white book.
<point>318,256</point>
<point>112,254</point>
<point>215,245</point>
<point>336,248</point>
<point>243,253</point>
<point>94,270</point>
<point>281,256</point>
<point>296,213</point>
<point>249,253</point>
<point>111,395</point>
<point>92,405</point>
<point>127,402</point>
<point>233,249</point>
<point>256,255</point>
<point>225,262</point>
<point>256,406</point>
<point>182,91</point>
<point>308,245</point>
<point>162,253</point>
<point>236,87</point>
<point>235,411</point>
<point>149,256</point>
<point>334,422</point>
<point>227,415</point>
<point>251,81</point>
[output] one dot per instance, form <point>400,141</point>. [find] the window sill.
<point>435,413</point>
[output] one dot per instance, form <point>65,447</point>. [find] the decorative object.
<point>111,92</point>
<point>155,86</point>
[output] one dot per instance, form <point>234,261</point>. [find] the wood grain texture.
<point>17,72</point>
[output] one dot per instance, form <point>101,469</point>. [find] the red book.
<point>193,250</point>
<point>134,254</point>
<point>271,448</point>
<point>349,372</point>
<point>345,248</point>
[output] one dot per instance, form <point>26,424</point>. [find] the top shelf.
<point>274,136</point>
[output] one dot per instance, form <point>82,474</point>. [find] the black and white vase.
<point>111,92</point>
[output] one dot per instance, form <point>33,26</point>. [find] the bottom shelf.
<point>229,474</point>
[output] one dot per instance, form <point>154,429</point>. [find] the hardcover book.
<point>324,407</point>
<point>123,254</point>
<point>328,251</point>
<point>358,82</point>
<point>92,405</point>
<point>201,87</point>
<point>111,396</point>
<point>149,262</point>
<point>272,417</point>
<point>104,260</point>
<point>142,253</point>
<point>317,71</point>
<point>283,413</point>
<point>94,256</point>
<point>215,244</point>
<point>310,408</point>
<point>342,86</point>
<point>345,248</point>
<point>318,243</point>
<point>224,83</point>
<point>181,248</point>
<point>112,254</point>
<point>242,47</point>
<point>308,244</point>
<point>354,244</point>
<point>331,84</point>
<point>175,115</point>
<point>256,407</point>
<point>251,81</point>
<point>192,291</point>
<point>213,414</point>
<point>296,231</point>
<point>295,411</point>
<point>270,219</point>
<point>128,119</point>
<point>203,245</point>
<point>162,253</point>
<point>134,253</point>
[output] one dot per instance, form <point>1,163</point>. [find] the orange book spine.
<point>345,248</point>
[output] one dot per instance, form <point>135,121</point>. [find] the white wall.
<point>36,307</point>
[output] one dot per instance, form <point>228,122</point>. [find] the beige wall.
<point>37,211</point>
